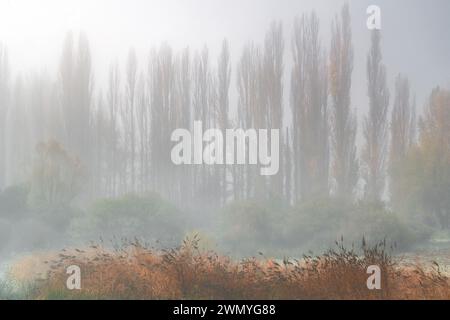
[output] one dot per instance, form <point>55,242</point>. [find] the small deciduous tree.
<point>424,175</point>
<point>56,177</point>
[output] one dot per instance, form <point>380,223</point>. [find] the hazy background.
<point>414,32</point>
<point>414,42</point>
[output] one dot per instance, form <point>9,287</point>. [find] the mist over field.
<point>91,92</point>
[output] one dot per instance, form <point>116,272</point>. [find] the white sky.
<point>415,33</point>
<point>34,30</point>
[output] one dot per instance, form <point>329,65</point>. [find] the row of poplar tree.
<point>119,137</point>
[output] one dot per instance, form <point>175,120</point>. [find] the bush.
<point>376,223</point>
<point>249,226</point>
<point>150,218</point>
<point>316,224</point>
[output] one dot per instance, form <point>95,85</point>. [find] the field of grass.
<point>135,271</point>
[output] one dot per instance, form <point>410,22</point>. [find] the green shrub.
<point>148,217</point>
<point>377,223</point>
<point>250,226</point>
<point>316,224</point>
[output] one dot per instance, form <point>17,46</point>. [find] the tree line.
<point>119,137</point>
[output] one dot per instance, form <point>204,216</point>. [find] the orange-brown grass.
<point>135,271</point>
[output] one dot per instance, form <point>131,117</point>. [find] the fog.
<point>413,38</point>
<point>84,156</point>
